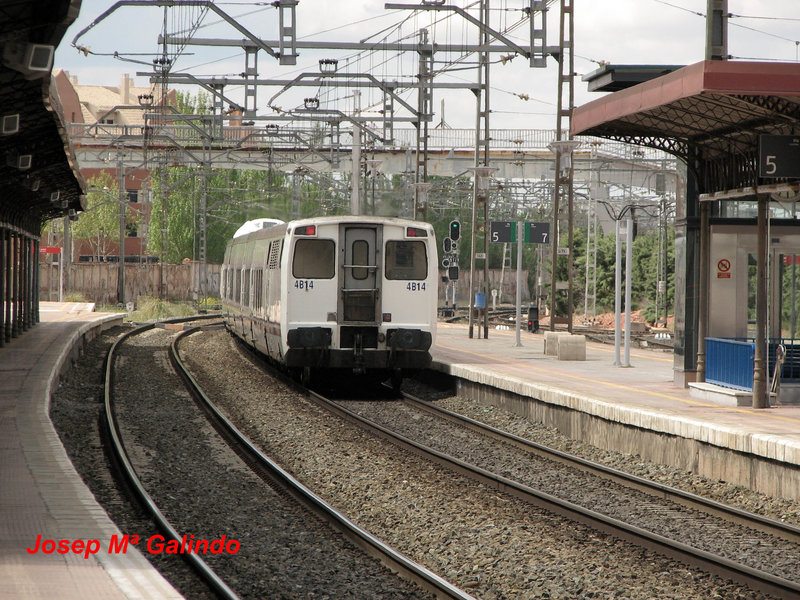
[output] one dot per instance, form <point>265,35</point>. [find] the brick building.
<point>116,108</point>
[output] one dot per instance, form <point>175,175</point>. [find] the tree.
<point>99,224</point>
<point>232,198</point>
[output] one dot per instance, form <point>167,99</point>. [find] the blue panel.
<point>729,363</point>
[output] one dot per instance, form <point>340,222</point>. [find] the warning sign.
<point>724,269</point>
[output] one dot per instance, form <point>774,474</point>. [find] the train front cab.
<point>376,312</point>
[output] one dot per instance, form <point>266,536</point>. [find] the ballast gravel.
<point>281,551</point>
<point>484,541</point>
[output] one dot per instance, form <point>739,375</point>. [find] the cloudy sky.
<point>614,31</point>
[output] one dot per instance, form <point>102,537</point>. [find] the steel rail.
<point>763,524</point>
<point>120,456</point>
<point>268,468</point>
<point>707,561</point>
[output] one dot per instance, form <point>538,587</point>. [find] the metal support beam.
<point>702,312</point>
<point>539,50</point>
<point>287,53</point>
<point>717,30</point>
<point>760,399</point>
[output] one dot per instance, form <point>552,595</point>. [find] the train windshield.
<point>406,260</point>
<point>313,259</point>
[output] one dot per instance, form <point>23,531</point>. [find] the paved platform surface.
<point>40,492</point>
<point>643,395</point>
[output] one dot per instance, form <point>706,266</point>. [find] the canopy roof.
<point>38,178</point>
<point>711,112</point>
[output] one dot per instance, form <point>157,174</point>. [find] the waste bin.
<point>533,318</point>
<point>480,300</point>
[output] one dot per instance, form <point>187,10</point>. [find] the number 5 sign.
<point>778,156</point>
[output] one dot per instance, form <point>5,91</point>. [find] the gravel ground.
<point>650,512</point>
<point>781,509</point>
<point>482,540</point>
<point>75,411</point>
<point>204,489</point>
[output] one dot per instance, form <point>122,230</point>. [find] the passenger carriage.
<point>355,294</point>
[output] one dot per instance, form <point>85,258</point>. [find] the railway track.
<point>275,477</point>
<point>119,454</point>
<point>747,548</point>
<point>492,544</point>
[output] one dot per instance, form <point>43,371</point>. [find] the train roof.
<point>357,219</point>
<point>257,225</point>
<point>278,228</point>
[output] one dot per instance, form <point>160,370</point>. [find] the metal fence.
<point>729,363</point>
<point>285,136</point>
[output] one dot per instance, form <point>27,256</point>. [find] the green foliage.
<point>75,297</point>
<point>232,197</point>
<point>193,104</point>
<point>150,309</point>
<point>644,268</point>
<point>99,224</point>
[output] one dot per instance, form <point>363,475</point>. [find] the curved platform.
<point>637,410</point>
<point>40,491</point>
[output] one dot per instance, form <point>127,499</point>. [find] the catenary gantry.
<point>37,171</point>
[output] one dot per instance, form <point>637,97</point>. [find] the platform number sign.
<point>537,233</point>
<point>779,156</point>
<point>503,231</point>
<point>506,231</point>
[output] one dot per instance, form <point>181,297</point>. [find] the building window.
<point>133,195</point>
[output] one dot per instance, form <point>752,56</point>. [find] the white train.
<point>356,294</point>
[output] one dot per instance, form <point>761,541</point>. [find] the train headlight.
<point>387,317</point>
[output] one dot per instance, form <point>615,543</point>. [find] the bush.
<point>153,309</point>
<point>75,297</point>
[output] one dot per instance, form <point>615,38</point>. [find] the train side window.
<point>406,260</point>
<point>360,255</point>
<point>246,288</point>
<point>238,284</point>
<point>313,259</point>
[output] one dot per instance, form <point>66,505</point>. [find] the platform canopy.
<point>709,114</point>
<point>38,175</point>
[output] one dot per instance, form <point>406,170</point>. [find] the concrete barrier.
<point>572,347</point>
<point>551,341</point>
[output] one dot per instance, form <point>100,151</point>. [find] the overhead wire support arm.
<point>511,45</point>
<point>208,85</point>
<point>174,3</point>
<point>330,45</point>
<point>389,89</point>
<point>182,78</point>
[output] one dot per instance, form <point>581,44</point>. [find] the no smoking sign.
<point>724,269</point>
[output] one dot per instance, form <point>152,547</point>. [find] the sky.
<point>670,32</point>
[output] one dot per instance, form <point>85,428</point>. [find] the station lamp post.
<point>480,218</point>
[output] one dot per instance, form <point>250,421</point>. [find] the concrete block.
<point>636,326</point>
<point>572,347</point>
<point>551,341</point>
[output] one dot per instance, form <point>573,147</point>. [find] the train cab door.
<point>359,300</point>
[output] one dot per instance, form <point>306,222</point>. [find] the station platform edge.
<point>41,494</point>
<point>637,410</point>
